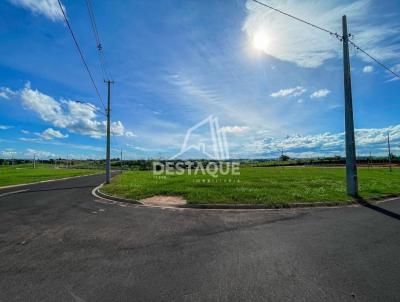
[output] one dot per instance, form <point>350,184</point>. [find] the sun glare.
<point>260,41</point>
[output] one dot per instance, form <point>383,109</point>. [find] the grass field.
<point>20,174</point>
<point>258,185</point>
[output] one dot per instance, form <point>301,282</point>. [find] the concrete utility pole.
<point>370,159</point>
<point>121,160</point>
<point>34,161</point>
<point>390,153</point>
<point>108,164</point>
<point>351,159</point>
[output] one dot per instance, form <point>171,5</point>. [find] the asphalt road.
<point>58,244</point>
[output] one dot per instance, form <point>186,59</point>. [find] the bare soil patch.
<point>164,200</point>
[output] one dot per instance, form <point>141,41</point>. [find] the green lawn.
<point>20,174</point>
<point>280,185</point>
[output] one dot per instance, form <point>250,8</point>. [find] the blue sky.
<point>272,82</point>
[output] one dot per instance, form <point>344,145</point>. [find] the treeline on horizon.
<point>147,164</point>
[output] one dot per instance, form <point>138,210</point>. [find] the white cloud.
<point>77,117</point>
<point>6,93</point>
<point>194,92</point>
<point>5,127</point>
<point>396,69</point>
<point>25,131</point>
<point>368,69</point>
<point>187,86</point>
<point>324,144</point>
<point>38,154</point>
<point>320,93</point>
<point>117,128</point>
<point>50,133</point>
<point>63,144</point>
<point>290,92</point>
<point>298,43</point>
<point>48,8</point>
<point>30,139</point>
<point>130,134</point>
<point>8,152</point>
<point>235,129</point>
<point>142,149</point>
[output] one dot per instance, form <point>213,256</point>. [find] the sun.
<point>261,41</point>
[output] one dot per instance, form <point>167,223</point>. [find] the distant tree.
<point>284,157</point>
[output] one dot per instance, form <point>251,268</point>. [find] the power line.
<point>91,106</point>
<point>80,53</point>
<point>298,19</point>
<point>340,37</point>
<point>99,45</point>
<point>374,59</point>
<point>93,23</point>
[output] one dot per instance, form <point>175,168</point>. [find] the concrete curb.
<point>295,205</point>
<point>266,206</point>
<point>381,198</point>
<point>96,191</point>
<point>44,181</point>
<point>326,204</point>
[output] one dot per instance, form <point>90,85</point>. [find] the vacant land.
<point>257,185</point>
<point>20,174</point>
